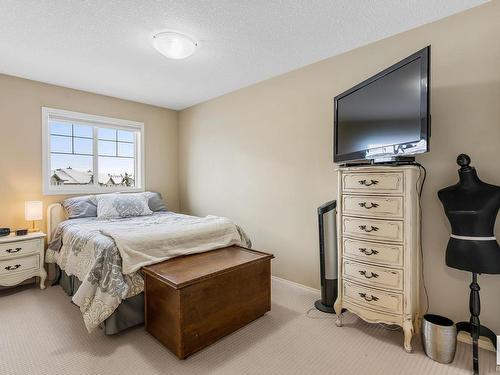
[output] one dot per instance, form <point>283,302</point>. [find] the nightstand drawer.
<point>19,248</point>
<point>11,266</point>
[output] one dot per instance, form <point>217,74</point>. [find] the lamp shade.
<point>33,210</point>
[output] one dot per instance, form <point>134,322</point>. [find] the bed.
<point>101,260</point>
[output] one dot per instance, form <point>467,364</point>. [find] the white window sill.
<point>91,191</point>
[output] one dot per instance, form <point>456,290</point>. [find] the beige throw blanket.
<point>169,237</point>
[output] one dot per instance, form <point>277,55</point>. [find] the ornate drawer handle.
<point>365,205</point>
<point>12,268</point>
<point>16,250</point>
<point>368,298</point>
<point>365,251</point>
<point>368,183</point>
<point>372,275</point>
<point>368,230</point>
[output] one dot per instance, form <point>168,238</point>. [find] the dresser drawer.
<point>373,275</point>
<point>383,183</point>
<point>373,298</point>
<point>390,207</point>
<point>19,248</point>
<point>385,230</point>
<point>372,252</point>
<point>11,266</point>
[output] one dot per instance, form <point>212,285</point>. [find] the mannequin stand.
<point>473,326</point>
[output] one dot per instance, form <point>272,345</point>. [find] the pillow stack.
<point>114,205</point>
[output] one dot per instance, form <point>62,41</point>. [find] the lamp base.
<point>33,228</point>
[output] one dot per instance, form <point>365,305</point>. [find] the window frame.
<point>96,122</point>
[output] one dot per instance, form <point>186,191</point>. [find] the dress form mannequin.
<point>472,207</point>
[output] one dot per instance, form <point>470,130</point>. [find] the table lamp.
<point>33,212</point>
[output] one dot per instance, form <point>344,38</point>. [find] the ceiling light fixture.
<point>174,45</point>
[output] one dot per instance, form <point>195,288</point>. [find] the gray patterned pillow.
<point>83,206</point>
<point>113,206</point>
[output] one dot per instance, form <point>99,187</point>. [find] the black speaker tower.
<point>327,256</point>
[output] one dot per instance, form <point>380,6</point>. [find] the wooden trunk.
<point>192,301</point>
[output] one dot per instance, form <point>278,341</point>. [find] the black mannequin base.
<point>474,326</point>
<point>483,331</point>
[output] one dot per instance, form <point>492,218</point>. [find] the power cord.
<point>324,315</point>
<point>421,170</point>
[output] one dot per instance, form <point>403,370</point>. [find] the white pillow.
<point>113,206</point>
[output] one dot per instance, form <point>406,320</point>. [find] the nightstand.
<point>22,257</point>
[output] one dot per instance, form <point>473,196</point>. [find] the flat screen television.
<point>386,117</point>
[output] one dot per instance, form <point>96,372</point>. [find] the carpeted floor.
<point>41,332</point>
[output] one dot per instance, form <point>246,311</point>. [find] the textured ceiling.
<point>104,46</point>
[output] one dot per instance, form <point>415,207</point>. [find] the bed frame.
<point>55,215</point>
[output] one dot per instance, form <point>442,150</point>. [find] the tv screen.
<point>387,115</point>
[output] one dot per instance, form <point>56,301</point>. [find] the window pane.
<point>116,172</point>
<point>107,148</point>
<point>83,146</point>
<point>60,144</point>
<point>126,149</point>
<point>60,128</point>
<point>82,131</point>
<point>125,136</point>
<point>107,134</point>
<point>71,170</point>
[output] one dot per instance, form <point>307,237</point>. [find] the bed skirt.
<point>130,313</point>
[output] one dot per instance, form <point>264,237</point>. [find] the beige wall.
<point>262,155</point>
<point>21,146</point>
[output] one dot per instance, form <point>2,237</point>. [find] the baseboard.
<point>483,343</point>
<point>295,285</point>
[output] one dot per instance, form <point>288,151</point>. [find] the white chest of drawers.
<point>22,257</point>
<point>379,245</point>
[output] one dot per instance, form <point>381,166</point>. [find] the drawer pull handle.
<point>16,250</point>
<point>368,182</point>
<point>12,268</point>
<point>365,251</point>
<point>371,205</point>
<point>368,276</point>
<point>368,298</point>
<point>368,230</point>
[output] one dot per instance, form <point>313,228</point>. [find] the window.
<point>90,154</point>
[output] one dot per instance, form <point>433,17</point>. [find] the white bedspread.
<point>168,237</point>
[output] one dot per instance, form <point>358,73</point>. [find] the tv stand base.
<point>392,161</point>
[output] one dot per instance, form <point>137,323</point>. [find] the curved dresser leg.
<point>338,310</point>
<point>43,277</point>
<point>408,332</point>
